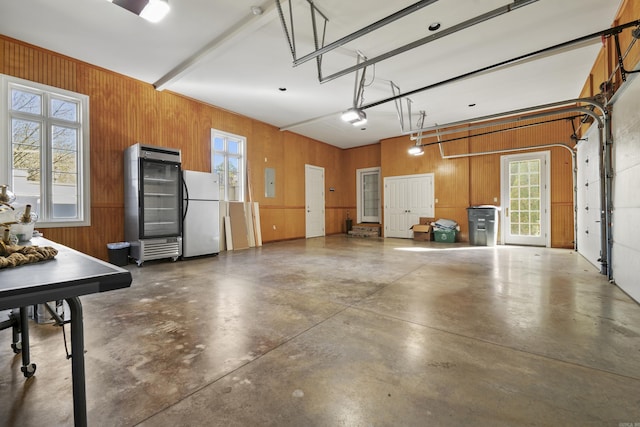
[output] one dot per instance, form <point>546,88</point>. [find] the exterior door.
<point>314,200</point>
<point>525,198</point>
<point>368,195</point>
<point>406,199</point>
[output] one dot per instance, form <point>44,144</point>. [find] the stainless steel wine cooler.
<point>153,202</point>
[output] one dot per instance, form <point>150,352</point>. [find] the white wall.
<point>626,189</point>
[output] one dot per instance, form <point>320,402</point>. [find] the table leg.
<point>28,368</point>
<point>77,363</point>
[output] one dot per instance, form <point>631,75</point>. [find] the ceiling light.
<point>434,27</point>
<point>355,116</point>
<point>256,10</point>
<point>151,10</point>
<point>155,10</point>
<point>416,150</point>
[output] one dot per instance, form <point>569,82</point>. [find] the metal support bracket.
<point>623,71</point>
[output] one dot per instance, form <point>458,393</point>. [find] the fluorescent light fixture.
<point>416,150</point>
<point>355,116</point>
<point>155,10</point>
<point>151,10</point>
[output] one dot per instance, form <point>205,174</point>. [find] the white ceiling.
<point>238,60</point>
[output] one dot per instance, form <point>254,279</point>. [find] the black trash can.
<point>349,224</point>
<point>483,225</point>
<point>119,253</point>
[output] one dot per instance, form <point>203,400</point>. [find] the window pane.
<point>64,161</point>
<point>26,154</point>
<point>64,110</point>
<point>535,192</point>
<point>65,200</point>
<point>233,147</point>
<point>64,138</point>
<point>534,165</point>
<point>535,179</point>
<point>25,132</point>
<point>218,144</point>
<point>218,167</point>
<point>535,230</point>
<point>233,180</point>
<point>26,102</point>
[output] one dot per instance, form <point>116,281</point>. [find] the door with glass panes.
<point>525,199</point>
<point>368,195</point>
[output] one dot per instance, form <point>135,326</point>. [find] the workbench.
<point>68,276</point>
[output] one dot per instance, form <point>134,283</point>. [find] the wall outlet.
<point>274,226</point>
<point>495,199</point>
<point>436,200</point>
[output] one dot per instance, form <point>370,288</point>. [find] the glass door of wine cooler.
<point>161,199</point>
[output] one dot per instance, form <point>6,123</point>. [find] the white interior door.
<point>421,199</point>
<point>395,208</point>
<point>525,196</point>
<point>314,200</point>
<point>406,199</point>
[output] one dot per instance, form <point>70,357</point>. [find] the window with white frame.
<point>44,150</point>
<point>228,161</point>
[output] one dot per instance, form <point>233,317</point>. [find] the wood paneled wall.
<point>124,111</point>
<point>607,60</point>
<point>463,182</point>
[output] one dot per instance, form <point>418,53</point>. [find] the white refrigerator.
<point>201,214</point>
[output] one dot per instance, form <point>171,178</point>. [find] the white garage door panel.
<point>627,231</point>
<point>625,260</point>
<point>588,189</point>
<point>626,200</point>
<point>626,193</point>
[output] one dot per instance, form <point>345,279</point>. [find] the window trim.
<point>84,159</point>
<point>243,160</point>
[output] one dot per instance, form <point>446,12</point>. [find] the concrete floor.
<point>342,331</point>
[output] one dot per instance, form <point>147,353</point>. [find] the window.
<point>44,150</point>
<point>228,161</point>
